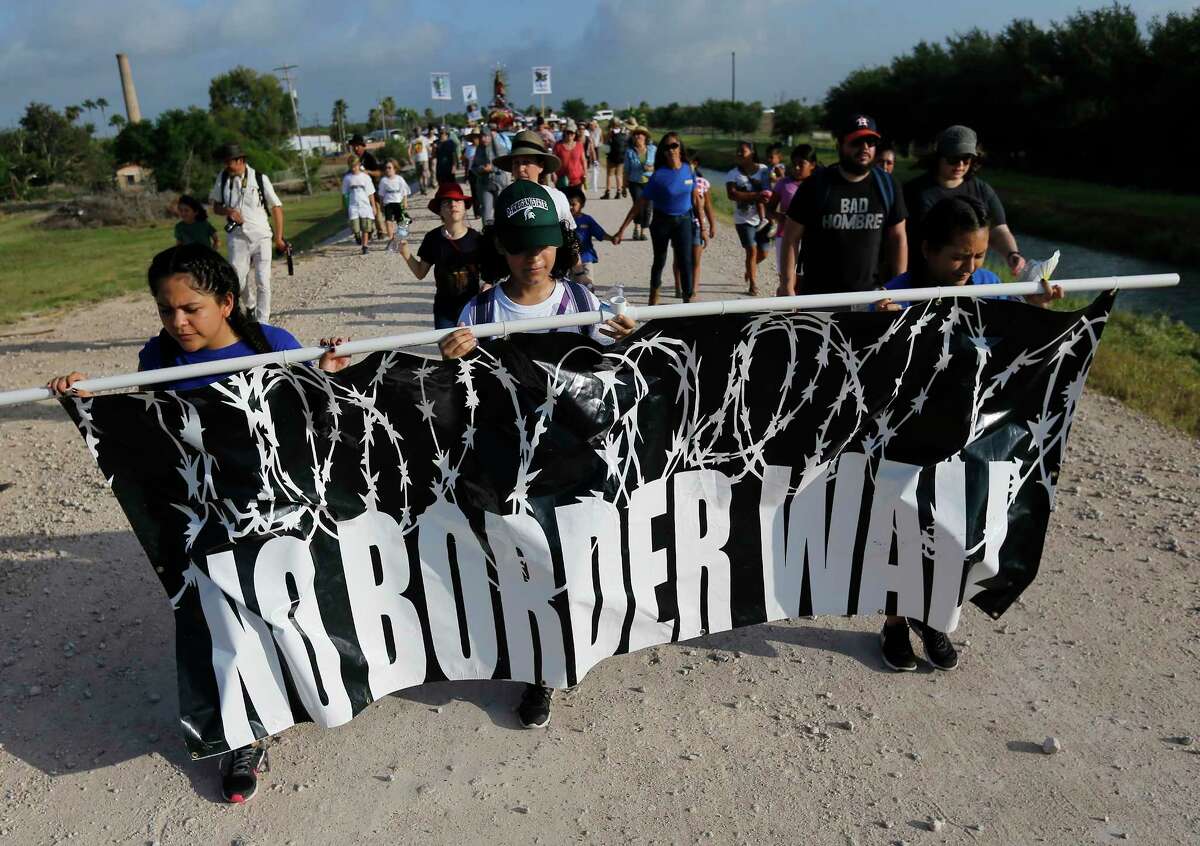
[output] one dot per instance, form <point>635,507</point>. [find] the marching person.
<point>392,196</point>
<point>193,226</point>
<point>673,191</point>
<point>490,179</point>
<point>370,165</point>
<point>615,160</point>
<point>446,154</point>
<point>639,165</point>
<point>361,204</point>
<point>952,171</point>
<point>451,251</point>
<point>954,243</point>
<point>196,291</point>
<point>845,215</point>
<point>704,229</point>
<point>418,154</point>
<point>571,152</point>
<point>530,256</point>
<point>804,163</point>
<point>531,160</point>
<point>748,184</point>
<point>245,198</point>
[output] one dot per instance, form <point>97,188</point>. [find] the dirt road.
<point>788,733</point>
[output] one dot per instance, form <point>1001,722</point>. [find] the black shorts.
<point>394,211</point>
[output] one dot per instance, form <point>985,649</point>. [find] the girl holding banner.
<point>196,290</point>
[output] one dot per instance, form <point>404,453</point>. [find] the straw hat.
<point>529,143</point>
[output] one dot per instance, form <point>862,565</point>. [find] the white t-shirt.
<point>561,205</point>
<point>358,189</point>
<point>420,148</point>
<point>393,189</point>
<point>760,180</point>
<point>559,302</point>
<point>241,193</point>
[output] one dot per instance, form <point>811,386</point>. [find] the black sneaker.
<point>534,710</point>
<point>895,648</point>
<point>938,649</point>
<point>605,196</point>
<point>239,773</point>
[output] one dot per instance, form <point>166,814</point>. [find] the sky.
<point>623,51</point>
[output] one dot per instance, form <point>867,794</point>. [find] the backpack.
<point>485,303</point>
<point>258,177</point>
<point>883,182</point>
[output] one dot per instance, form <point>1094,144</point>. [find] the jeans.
<point>675,230</point>
<point>635,194</point>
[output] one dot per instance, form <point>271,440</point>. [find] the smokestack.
<point>132,112</point>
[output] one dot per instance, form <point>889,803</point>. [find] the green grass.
<point>1151,364</point>
<point>46,269</point>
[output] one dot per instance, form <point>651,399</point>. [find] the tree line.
<point>1091,97</point>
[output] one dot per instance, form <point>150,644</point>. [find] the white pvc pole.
<point>146,378</point>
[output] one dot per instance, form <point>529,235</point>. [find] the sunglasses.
<point>674,145</point>
<point>959,160</point>
<point>865,141</point>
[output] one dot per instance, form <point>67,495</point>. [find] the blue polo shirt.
<point>161,351</point>
<point>671,190</point>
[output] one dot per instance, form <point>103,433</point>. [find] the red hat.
<point>447,191</point>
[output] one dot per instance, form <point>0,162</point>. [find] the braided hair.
<point>210,274</point>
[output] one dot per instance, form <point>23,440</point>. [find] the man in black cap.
<point>244,197</point>
<point>370,165</point>
<point>845,214</point>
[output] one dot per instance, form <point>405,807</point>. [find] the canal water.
<point>1078,262</point>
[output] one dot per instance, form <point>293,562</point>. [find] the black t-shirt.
<point>447,152</point>
<point>844,224</point>
<point>369,162</point>
<point>924,192</point>
<point>455,270</point>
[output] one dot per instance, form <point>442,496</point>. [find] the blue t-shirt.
<point>904,282</point>
<point>671,190</point>
<point>151,356</point>
<point>587,228</point>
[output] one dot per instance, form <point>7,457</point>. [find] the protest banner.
<point>439,86</point>
<point>541,80</point>
<point>531,510</point>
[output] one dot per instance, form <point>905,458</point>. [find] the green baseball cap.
<point>526,217</point>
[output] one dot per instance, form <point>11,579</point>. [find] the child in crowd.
<point>954,243</point>
<point>775,163</point>
<point>193,226</point>
<point>748,184</point>
<point>393,195</point>
<point>359,191</point>
<point>588,230</point>
<point>451,251</point>
<point>804,164</point>
<point>196,291</point>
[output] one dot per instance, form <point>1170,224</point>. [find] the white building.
<point>320,144</point>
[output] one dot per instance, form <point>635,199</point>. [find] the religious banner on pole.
<point>439,86</point>
<point>541,80</point>
<point>546,503</point>
<point>471,101</point>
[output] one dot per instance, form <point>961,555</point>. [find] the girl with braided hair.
<point>197,294</point>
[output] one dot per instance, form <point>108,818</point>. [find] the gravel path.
<point>787,733</point>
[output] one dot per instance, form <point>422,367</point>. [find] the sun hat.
<point>570,126</point>
<point>230,151</point>
<point>529,143</point>
<point>631,123</point>
<point>447,191</point>
<point>957,140</point>
<point>526,218</point>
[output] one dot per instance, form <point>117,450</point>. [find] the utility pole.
<point>733,76</point>
<point>286,71</point>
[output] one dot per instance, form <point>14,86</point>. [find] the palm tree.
<point>387,109</point>
<point>72,112</point>
<point>117,122</point>
<point>101,104</point>
<point>338,120</point>
<point>88,104</point>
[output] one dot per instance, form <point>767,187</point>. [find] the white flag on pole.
<point>470,95</point>
<point>541,80</point>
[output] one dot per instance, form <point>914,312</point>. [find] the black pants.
<point>635,194</point>
<point>675,230</point>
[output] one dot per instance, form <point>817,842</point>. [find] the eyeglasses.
<point>958,160</point>
<point>674,145</point>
